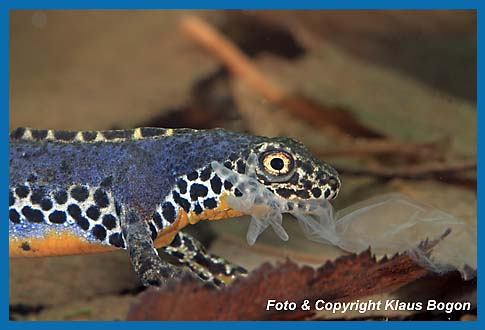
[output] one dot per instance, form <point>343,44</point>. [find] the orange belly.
<point>222,211</point>
<point>54,243</point>
<point>67,242</point>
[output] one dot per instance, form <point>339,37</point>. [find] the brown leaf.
<point>347,278</point>
<point>322,115</point>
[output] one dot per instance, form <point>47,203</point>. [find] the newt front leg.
<point>151,270</point>
<point>208,267</point>
<point>74,192</point>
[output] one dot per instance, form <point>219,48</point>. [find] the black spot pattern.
<point>11,198</point>
<point>185,204</point>
<point>241,166</point>
<point>238,193</point>
<point>64,135</point>
<point>25,246</point>
<point>303,194</point>
<point>46,204</point>
<point>216,184</point>
<point>101,198</point>
<point>74,211</point>
<point>153,231</point>
<point>205,174</point>
<point>106,183</point>
<point>151,132</point>
<point>327,193</point>
<point>99,232</point>
<point>238,269</point>
<point>197,190</point>
<point>227,185</point>
<point>57,217</point>
<point>307,184</point>
<point>176,242</point>
<point>182,184</point>
<point>39,134</point>
<point>316,192</point>
<point>89,136</point>
<point>198,209</point>
<point>60,197</point>
<point>80,193</point>
<point>217,281</point>
<point>117,208</point>
<point>158,219</point>
<point>177,254</point>
<point>210,203</point>
<point>109,221</point>
<point>307,167</point>
<point>32,215</point>
<point>116,240</point>
<point>203,276</point>
<point>228,165</point>
<point>118,134</point>
<point>83,223</point>
<point>168,212</point>
<point>285,192</point>
<point>188,243</point>
<point>201,260</point>
<point>17,133</point>
<point>76,214</point>
<point>14,216</point>
<point>22,191</point>
<point>93,212</point>
<point>37,196</point>
<point>193,176</point>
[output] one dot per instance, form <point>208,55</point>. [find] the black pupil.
<point>277,164</point>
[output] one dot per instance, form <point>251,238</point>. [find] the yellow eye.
<point>277,162</point>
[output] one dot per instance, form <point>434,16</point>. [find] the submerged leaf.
<point>346,279</point>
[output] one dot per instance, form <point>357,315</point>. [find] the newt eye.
<point>277,162</point>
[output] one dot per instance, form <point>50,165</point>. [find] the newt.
<point>77,192</point>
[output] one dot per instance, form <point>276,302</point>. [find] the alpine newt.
<point>92,191</point>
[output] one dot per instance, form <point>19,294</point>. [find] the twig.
<point>336,126</point>
<point>362,147</point>
<point>431,169</point>
<point>237,62</point>
<point>242,66</point>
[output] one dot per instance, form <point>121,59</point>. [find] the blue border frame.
<point>6,5</point>
<point>248,4</point>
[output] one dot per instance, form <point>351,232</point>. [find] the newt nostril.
<point>334,183</point>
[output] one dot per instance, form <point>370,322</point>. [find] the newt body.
<point>85,192</point>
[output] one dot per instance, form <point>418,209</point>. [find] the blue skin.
<point>142,171</point>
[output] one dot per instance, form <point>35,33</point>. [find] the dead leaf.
<point>346,279</point>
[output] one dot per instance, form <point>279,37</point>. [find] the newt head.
<point>276,176</point>
<point>289,170</point>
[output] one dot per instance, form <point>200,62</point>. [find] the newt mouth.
<point>267,209</point>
